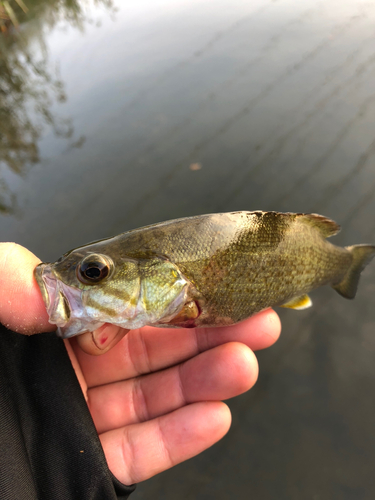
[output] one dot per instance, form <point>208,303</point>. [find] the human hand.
<point>155,396</point>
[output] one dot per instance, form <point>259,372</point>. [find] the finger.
<point>150,349</point>
<point>220,373</point>
<point>138,452</point>
<point>21,305</point>
<point>76,367</point>
<point>101,340</point>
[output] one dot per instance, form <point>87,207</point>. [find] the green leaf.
<point>11,14</point>
<point>22,5</point>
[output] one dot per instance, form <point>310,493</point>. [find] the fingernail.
<point>101,337</point>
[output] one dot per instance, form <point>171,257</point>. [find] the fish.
<point>202,271</point>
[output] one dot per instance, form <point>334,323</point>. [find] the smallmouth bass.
<point>208,270</point>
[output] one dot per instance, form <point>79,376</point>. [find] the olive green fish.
<point>209,270</point>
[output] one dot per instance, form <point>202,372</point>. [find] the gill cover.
<point>131,294</point>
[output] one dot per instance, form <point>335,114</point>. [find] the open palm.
<point>154,394</point>
<point>155,397</point>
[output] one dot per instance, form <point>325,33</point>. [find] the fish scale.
<point>207,270</point>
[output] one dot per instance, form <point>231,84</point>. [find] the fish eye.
<point>93,269</point>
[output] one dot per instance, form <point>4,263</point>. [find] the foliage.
<point>28,86</point>
<point>8,14</point>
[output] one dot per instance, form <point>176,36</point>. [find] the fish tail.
<point>362,255</point>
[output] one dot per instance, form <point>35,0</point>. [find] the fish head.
<point>85,289</point>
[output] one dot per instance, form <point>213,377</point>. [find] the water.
<point>117,115</point>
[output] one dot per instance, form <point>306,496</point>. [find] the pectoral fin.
<point>299,303</point>
<point>186,316</point>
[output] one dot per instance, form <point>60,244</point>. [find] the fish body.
<point>208,270</point>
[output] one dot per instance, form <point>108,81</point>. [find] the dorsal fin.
<point>327,227</point>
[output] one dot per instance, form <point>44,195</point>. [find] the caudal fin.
<point>362,255</point>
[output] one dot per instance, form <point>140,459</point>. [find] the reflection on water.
<point>24,83</point>
<point>29,86</point>
<point>8,17</point>
<point>193,106</point>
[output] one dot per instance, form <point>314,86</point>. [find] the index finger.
<point>150,349</point>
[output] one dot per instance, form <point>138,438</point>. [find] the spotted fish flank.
<point>208,270</point>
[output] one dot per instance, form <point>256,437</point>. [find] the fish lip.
<point>38,273</point>
<point>53,291</point>
<point>50,290</point>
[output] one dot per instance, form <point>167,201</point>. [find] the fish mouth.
<point>63,304</point>
<point>61,300</point>
<point>38,273</point>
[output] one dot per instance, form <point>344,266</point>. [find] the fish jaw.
<point>142,310</point>
<point>63,304</point>
<point>71,309</point>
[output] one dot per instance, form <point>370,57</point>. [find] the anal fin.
<point>299,303</point>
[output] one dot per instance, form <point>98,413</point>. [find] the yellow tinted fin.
<point>299,303</point>
<point>362,255</point>
<point>327,227</point>
<point>190,311</point>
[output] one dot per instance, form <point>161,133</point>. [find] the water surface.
<point>117,115</point>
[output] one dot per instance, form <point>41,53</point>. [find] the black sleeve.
<point>49,448</point>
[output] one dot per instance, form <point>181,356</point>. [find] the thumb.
<point>21,305</point>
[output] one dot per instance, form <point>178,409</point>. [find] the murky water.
<point>116,115</point>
